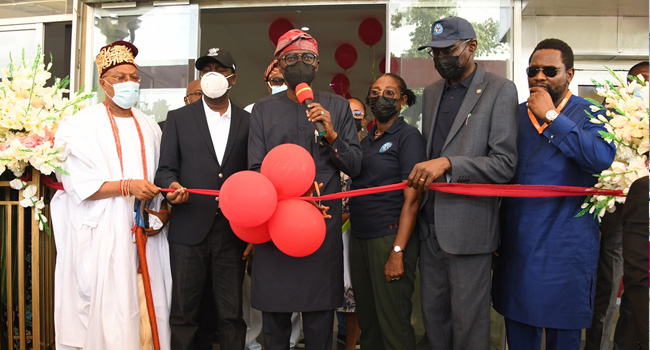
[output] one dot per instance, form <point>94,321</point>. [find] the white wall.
<point>597,41</point>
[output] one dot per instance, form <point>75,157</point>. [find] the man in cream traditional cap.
<point>111,157</point>
<point>313,284</point>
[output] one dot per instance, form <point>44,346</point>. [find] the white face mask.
<point>277,89</point>
<point>125,94</point>
<point>214,85</point>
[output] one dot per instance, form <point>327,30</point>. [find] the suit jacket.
<point>187,156</point>
<point>635,257</point>
<point>482,148</point>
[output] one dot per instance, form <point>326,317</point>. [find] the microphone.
<point>305,96</point>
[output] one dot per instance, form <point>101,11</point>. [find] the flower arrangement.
<point>626,106</point>
<point>29,116</point>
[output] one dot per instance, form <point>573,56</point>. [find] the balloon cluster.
<point>258,205</point>
<point>370,32</point>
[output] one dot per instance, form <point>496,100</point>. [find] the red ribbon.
<point>494,190</point>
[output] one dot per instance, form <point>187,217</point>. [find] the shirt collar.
<point>210,113</point>
<point>398,124</point>
<point>464,83</point>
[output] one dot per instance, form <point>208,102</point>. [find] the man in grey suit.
<point>470,123</point>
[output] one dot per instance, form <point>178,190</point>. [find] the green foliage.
<point>423,17</point>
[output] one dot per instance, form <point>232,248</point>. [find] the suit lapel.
<point>474,92</point>
<point>202,123</point>
<point>432,110</point>
<point>235,123</point>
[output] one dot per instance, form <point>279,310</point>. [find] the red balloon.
<point>247,198</point>
<point>340,84</point>
<point>394,65</point>
<point>345,56</point>
<point>277,28</point>
<point>347,95</point>
<point>290,168</point>
<point>256,235</point>
<point>370,31</point>
<point>297,228</point>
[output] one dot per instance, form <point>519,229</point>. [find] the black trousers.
<point>318,327</point>
<point>218,258</point>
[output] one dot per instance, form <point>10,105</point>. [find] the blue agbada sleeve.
<point>579,139</point>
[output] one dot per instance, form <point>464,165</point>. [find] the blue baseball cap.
<point>449,30</point>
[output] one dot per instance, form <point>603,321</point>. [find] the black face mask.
<point>449,66</point>
<point>383,108</point>
<point>357,123</point>
<point>299,73</point>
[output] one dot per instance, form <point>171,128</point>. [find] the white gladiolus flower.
<point>16,184</point>
<point>627,110</point>
<point>26,202</point>
<point>30,113</point>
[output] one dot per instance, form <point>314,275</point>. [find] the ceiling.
<point>31,8</point>
<point>628,8</point>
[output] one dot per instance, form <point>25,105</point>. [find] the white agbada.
<point>96,292</point>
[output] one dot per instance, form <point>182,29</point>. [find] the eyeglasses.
<point>125,78</point>
<point>197,93</point>
<point>292,58</point>
<point>385,93</point>
<point>447,51</point>
<point>276,82</point>
<point>358,113</point>
<point>549,71</point>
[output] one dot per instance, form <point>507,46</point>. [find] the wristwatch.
<point>551,115</point>
<point>398,249</point>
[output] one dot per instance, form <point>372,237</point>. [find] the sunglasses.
<point>276,82</point>
<point>358,114</point>
<point>549,71</point>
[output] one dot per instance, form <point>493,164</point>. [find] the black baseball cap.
<point>449,30</point>
<point>218,55</point>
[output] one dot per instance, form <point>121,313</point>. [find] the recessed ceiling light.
<point>304,29</point>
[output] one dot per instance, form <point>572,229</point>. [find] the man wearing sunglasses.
<point>545,279</point>
<point>312,285</point>
<point>469,119</point>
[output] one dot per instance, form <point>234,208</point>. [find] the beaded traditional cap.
<point>115,54</point>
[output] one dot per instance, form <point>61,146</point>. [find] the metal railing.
<point>27,258</point>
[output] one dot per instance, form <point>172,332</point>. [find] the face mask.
<point>299,73</point>
<point>449,66</point>
<point>276,89</point>
<point>126,94</point>
<point>383,108</point>
<point>214,85</point>
<point>357,123</point>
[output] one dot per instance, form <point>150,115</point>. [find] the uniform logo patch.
<point>437,29</point>
<point>385,147</point>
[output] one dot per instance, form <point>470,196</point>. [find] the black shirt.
<point>452,98</point>
<point>386,160</point>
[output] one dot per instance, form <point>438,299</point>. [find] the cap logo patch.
<point>213,51</point>
<point>437,29</point>
<point>385,147</point>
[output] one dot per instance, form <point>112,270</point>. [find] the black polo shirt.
<point>452,97</point>
<point>386,160</point>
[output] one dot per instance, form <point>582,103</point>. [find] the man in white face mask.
<point>203,144</point>
<point>111,158</point>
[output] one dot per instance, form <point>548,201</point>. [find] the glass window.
<point>14,40</point>
<point>410,28</point>
<point>166,38</point>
